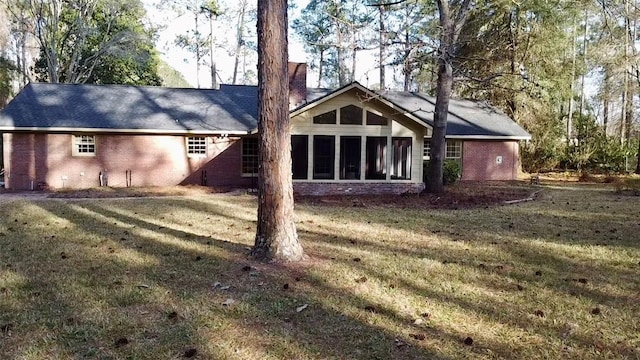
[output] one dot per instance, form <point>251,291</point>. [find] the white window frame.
<point>245,157</point>
<point>196,146</point>
<point>84,145</point>
<point>453,150</point>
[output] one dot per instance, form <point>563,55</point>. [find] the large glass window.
<point>401,158</point>
<point>351,115</point>
<point>375,119</point>
<point>350,157</point>
<point>84,145</point>
<point>299,156</point>
<point>323,156</point>
<point>376,158</point>
<point>249,156</point>
<point>326,118</point>
<point>197,146</point>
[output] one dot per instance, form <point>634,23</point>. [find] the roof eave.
<point>489,137</point>
<point>122,131</point>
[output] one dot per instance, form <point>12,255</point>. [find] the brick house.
<point>350,140</point>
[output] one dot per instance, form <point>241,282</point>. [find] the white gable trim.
<point>373,95</point>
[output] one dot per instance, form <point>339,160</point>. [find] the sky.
<point>184,62</point>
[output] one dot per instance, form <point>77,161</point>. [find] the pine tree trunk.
<point>438,144</point>
<point>276,236</point>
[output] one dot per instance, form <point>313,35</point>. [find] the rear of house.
<point>347,141</point>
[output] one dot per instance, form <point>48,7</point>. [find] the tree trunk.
<point>449,31</point>
<point>239,40</point>
<point>638,159</point>
<point>383,43</point>
<point>276,236</point>
<point>438,142</point>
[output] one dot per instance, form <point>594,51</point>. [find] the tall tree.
<point>453,15</point>
<point>276,235</point>
<point>81,39</point>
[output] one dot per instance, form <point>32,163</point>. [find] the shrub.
<point>450,172</point>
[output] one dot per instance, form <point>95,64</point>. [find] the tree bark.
<point>276,236</point>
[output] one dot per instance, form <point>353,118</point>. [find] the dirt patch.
<point>459,196</point>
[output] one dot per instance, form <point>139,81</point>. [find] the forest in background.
<point>565,70</point>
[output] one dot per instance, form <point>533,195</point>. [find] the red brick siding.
<point>154,160</point>
<point>479,160</point>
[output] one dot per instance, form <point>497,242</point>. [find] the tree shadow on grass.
<point>556,276</point>
<point>112,284</point>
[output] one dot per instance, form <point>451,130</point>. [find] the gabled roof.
<point>119,108</point>
<point>365,92</point>
<point>233,109</point>
<point>466,119</point>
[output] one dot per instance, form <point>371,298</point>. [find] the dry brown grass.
<point>147,279</point>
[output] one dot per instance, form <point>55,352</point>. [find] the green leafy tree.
<point>99,41</point>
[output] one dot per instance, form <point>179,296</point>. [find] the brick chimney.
<point>297,84</point>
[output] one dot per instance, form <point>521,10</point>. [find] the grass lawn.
<point>169,278</point>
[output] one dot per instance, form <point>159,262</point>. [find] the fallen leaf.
<point>144,286</point>
<point>302,307</point>
<point>228,302</point>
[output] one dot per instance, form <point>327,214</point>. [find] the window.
<point>351,115</point>
<point>375,119</point>
<point>299,156</point>
<point>350,157</point>
<point>426,151</point>
<point>197,146</point>
<point>376,158</point>
<point>84,145</point>
<point>454,150</point>
<point>323,156</point>
<point>401,158</point>
<point>326,118</point>
<point>249,156</point>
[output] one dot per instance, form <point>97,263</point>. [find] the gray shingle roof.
<point>466,118</point>
<point>232,109</point>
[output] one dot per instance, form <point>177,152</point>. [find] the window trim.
<point>77,142</point>
<point>195,145</point>
<point>244,157</point>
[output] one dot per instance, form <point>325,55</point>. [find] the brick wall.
<point>344,188</point>
<point>490,160</point>
<point>154,160</point>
